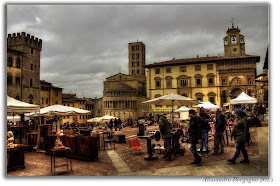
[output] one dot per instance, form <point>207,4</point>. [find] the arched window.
<point>17,81</point>
<point>31,82</point>
<point>18,63</point>
<point>199,97</point>
<point>158,82</point>
<point>211,97</point>
<point>30,99</point>
<point>10,61</point>
<point>9,80</point>
<point>198,80</point>
<point>210,77</point>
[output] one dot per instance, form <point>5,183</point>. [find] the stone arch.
<point>9,79</point>
<point>198,76</point>
<point>210,75</point>
<point>18,62</point>
<point>236,92</point>
<point>10,61</point>
<point>236,81</point>
<point>168,77</point>
<point>199,96</point>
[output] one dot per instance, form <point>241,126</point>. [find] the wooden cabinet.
<point>15,157</point>
<point>82,147</point>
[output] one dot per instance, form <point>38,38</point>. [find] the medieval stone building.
<point>23,67</point>
<point>123,94</point>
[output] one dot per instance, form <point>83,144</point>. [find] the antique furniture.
<point>32,139</point>
<point>82,147</point>
<point>43,130</point>
<point>108,139</point>
<point>15,157</point>
<point>119,138</point>
<point>54,151</point>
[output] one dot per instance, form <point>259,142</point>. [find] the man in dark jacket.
<point>205,127</point>
<point>165,131</point>
<point>240,133</point>
<point>218,137</point>
<point>194,135</point>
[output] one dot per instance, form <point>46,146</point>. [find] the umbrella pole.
<point>172,112</point>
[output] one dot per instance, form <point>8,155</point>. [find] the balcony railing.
<point>156,110</point>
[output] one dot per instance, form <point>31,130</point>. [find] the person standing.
<point>260,112</point>
<point>218,137</point>
<point>116,124</point>
<point>111,124</point>
<point>205,127</point>
<point>194,135</point>
<point>165,131</point>
<point>120,124</point>
<point>241,136</point>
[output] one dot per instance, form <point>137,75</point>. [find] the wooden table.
<point>150,155</point>
<point>15,157</point>
<point>67,150</point>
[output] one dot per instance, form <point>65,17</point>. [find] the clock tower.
<point>234,43</point>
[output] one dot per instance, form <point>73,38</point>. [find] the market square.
<point>203,113</point>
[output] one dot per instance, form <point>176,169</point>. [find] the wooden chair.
<point>135,146</point>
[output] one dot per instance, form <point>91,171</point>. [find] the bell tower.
<point>234,43</point>
<point>136,58</point>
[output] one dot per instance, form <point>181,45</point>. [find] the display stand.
<point>15,157</point>
<point>150,155</point>
<point>67,151</point>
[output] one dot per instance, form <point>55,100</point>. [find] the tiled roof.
<point>199,60</point>
<point>120,87</point>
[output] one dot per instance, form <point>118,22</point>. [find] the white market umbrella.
<point>108,117</point>
<point>184,112</point>
<point>182,109</point>
<point>60,110</point>
<point>172,99</point>
<point>16,106</point>
<point>226,104</point>
<point>97,119</point>
<point>207,105</point>
<point>243,98</point>
<point>16,118</point>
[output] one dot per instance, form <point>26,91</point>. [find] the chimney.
<point>197,56</point>
<point>207,55</point>
<point>173,58</point>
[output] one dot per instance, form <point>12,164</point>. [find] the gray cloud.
<point>84,44</point>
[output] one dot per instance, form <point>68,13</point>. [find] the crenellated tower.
<point>30,49</point>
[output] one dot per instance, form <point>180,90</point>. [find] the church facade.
<point>123,94</point>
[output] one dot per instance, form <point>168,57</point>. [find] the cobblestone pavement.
<point>258,165</point>
<point>121,161</point>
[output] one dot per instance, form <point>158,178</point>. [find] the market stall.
<point>15,152</point>
<point>242,99</point>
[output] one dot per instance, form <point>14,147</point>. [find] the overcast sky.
<point>84,44</point>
